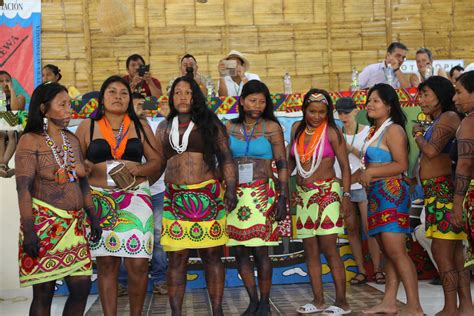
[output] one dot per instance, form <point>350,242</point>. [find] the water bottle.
<point>355,80</point>
<point>3,99</point>
<point>389,74</point>
<point>210,88</point>
<point>287,83</point>
<point>428,71</point>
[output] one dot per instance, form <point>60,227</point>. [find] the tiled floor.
<point>285,300</point>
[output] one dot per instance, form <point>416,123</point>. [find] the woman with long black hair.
<point>196,156</point>
<point>256,139</point>
<point>384,160</point>
<point>316,142</point>
<point>435,145</point>
<point>117,138</point>
<point>54,198</point>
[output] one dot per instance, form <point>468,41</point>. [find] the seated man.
<point>231,85</point>
<point>142,83</point>
<point>381,73</point>
<point>189,66</point>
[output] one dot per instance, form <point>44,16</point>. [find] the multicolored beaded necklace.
<point>64,157</point>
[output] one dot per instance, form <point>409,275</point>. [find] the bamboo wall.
<point>317,41</point>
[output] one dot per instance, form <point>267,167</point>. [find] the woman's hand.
<point>133,168</point>
<point>417,128</point>
<point>31,241</point>
<point>456,216</point>
<point>346,207</point>
<point>365,178</point>
<point>280,212</point>
<point>230,198</point>
<point>96,230</point>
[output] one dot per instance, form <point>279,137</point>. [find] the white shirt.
<point>158,186</point>
<point>354,161</point>
<point>375,73</point>
<point>234,89</point>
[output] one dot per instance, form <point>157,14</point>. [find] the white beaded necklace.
<point>174,136</point>
<point>369,141</point>
<point>315,162</point>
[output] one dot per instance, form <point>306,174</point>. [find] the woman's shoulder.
<point>395,130</point>
<point>29,141</point>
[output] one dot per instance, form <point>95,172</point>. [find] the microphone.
<point>465,103</point>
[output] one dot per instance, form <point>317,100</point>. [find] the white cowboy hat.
<point>234,53</point>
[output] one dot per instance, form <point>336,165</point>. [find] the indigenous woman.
<point>463,207</point>
<point>53,195</point>
<point>51,73</point>
<point>315,143</point>
<point>435,173</point>
<point>8,138</point>
<point>384,159</point>
<point>354,135</point>
<point>193,140</point>
<point>116,136</point>
<point>256,139</point>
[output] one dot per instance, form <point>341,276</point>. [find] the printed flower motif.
<point>244,213</point>
<point>28,263</point>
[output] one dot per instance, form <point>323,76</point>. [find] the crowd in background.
<point>124,193</point>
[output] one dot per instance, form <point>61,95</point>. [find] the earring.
<point>45,124</point>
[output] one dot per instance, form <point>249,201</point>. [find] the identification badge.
<point>245,173</point>
<point>110,165</point>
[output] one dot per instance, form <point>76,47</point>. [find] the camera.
<point>189,72</point>
<point>143,69</point>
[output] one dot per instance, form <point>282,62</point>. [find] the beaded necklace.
<point>64,157</point>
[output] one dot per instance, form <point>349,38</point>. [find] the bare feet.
<point>382,308</point>
<point>412,312</point>
<point>466,311</point>
<point>447,313</point>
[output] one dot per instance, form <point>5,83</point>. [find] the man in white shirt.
<point>387,71</point>
<point>231,85</point>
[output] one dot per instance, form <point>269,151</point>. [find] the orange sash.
<point>306,154</point>
<point>117,149</point>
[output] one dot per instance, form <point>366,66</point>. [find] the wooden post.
<point>388,21</point>
<point>146,31</point>
<point>87,43</point>
<point>329,49</point>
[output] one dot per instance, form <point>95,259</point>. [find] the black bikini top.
<point>99,150</point>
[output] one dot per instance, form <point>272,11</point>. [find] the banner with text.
<point>20,43</point>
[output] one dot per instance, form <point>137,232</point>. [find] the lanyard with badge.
<point>246,169</point>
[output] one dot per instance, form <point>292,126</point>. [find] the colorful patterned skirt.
<point>251,223</point>
<point>318,209</point>
<point>389,206</point>
<point>468,207</point>
<point>439,195</point>
<point>194,216</point>
<point>126,218</point>
<point>64,250</point>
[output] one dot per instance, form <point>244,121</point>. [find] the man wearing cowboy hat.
<point>231,85</point>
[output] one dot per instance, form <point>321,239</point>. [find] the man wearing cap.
<point>231,85</point>
<point>380,72</point>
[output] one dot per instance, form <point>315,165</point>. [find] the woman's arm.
<point>291,158</point>
<point>26,161</point>
<point>339,147</point>
<point>279,156</point>
<point>464,167</point>
<point>17,102</point>
<point>152,152</point>
<point>96,231</point>
<point>397,144</point>
<point>443,132</point>
<point>227,165</point>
